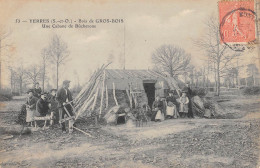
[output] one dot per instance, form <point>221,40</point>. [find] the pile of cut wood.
<point>86,100</point>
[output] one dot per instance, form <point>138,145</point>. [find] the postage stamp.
<point>237,24</point>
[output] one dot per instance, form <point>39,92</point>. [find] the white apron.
<point>159,115</point>
<point>29,115</point>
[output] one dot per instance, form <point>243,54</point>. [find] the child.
<point>30,107</point>
<point>184,108</point>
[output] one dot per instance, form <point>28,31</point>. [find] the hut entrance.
<point>149,88</point>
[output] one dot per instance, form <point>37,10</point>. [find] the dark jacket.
<point>188,91</point>
<point>54,103</point>
<point>42,107</point>
<point>31,101</point>
<point>62,96</point>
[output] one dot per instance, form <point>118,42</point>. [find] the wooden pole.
<point>106,97</point>
<point>85,106</point>
<point>102,94</point>
<point>95,100</point>
<point>114,93</point>
<point>129,97</point>
<point>82,131</point>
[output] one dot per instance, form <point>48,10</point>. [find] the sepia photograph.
<point>130,84</point>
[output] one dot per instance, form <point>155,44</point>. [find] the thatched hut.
<point>110,87</point>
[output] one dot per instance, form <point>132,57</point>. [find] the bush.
<point>254,90</point>
<point>5,95</point>
<point>201,92</point>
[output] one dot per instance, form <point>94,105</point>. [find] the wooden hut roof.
<point>131,74</point>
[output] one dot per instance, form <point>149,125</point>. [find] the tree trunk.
<point>43,76</point>
<point>215,74</point>
<point>21,85</point>
<point>0,68</point>
<point>57,75</point>
<point>218,79</point>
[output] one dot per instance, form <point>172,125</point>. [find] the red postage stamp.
<point>237,21</point>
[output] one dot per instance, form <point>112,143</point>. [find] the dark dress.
<point>159,106</point>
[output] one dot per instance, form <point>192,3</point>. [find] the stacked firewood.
<point>85,101</point>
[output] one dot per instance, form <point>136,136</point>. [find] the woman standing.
<point>184,108</point>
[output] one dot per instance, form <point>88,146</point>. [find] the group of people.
<point>172,107</point>
<point>41,104</point>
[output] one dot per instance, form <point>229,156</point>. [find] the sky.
<point>146,26</point>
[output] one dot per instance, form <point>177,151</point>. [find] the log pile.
<point>85,101</point>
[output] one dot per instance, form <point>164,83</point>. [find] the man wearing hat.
<point>189,93</point>
<point>37,90</point>
<point>64,96</point>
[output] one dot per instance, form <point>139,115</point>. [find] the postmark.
<point>237,24</point>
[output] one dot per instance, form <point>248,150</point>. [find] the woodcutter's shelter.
<point>110,87</point>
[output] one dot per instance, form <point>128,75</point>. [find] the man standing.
<point>37,90</point>
<point>64,96</point>
<point>188,91</point>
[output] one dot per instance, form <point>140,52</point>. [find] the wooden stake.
<point>129,97</point>
<point>106,97</point>
<point>114,93</point>
<point>83,108</point>
<point>102,94</point>
<point>96,95</point>
<point>82,131</point>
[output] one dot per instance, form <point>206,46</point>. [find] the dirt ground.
<point>180,143</point>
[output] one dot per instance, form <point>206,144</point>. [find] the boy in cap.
<point>64,96</point>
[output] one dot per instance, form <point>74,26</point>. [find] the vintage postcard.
<point>129,84</point>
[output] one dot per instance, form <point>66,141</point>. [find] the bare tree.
<point>218,54</point>
<point>170,60</point>
<point>45,54</point>
<point>59,53</point>
<point>3,35</point>
<point>20,77</point>
<point>34,73</point>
